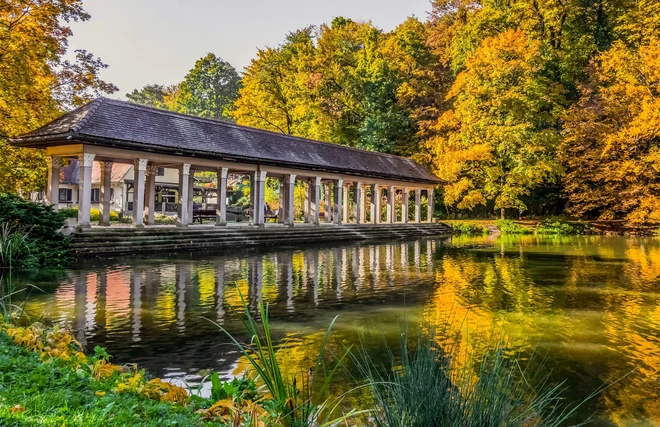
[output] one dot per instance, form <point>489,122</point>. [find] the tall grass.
<point>421,389</point>
<point>14,245</point>
<point>302,398</point>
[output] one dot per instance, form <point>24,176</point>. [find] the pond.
<point>589,305</point>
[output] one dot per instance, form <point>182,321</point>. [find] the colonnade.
<point>327,195</point>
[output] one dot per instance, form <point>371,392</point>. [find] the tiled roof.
<point>109,122</point>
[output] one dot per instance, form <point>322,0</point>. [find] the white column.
<point>221,210</point>
<point>191,194</point>
<point>357,201</point>
<point>53,185</point>
<point>104,192</point>
<point>306,203</point>
<point>184,178</point>
<point>85,162</point>
<point>345,203</point>
<point>363,207</point>
<point>405,199</point>
<point>431,205</point>
<point>290,183</point>
<point>259,201</point>
<point>339,200</point>
<point>281,215</point>
<point>375,204</point>
<point>140,170</point>
<point>327,214</point>
<point>150,195</point>
<point>418,205</point>
<point>391,208</point>
<point>314,200</point>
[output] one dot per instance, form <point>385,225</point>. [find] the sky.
<point>158,41</point>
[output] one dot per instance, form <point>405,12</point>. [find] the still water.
<point>590,305</point>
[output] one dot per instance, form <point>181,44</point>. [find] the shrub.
<point>469,228</point>
<point>162,219</point>
<point>507,226</point>
<point>562,227</point>
<point>14,246</point>
<point>47,246</point>
<point>69,212</point>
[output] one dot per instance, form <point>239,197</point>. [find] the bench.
<point>202,214</point>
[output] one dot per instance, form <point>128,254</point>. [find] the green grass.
<point>507,226</point>
<point>53,394</point>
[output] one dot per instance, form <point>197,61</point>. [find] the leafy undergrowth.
<point>46,380</point>
<point>469,228</point>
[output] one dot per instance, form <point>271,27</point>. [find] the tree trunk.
<point>501,213</point>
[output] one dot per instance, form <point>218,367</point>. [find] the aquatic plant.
<point>300,399</point>
<point>420,388</point>
<point>14,246</point>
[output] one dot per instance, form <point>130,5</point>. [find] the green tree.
<point>36,83</point>
<point>157,96</point>
<point>209,89</point>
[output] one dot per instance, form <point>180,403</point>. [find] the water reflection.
<point>591,304</point>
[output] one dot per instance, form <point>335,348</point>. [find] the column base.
<point>83,226</point>
<point>290,225</point>
<point>182,225</point>
<point>221,223</point>
<point>104,224</point>
<point>137,225</point>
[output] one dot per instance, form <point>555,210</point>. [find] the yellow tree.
<point>498,140</point>
<point>36,84</point>
<point>611,150</point>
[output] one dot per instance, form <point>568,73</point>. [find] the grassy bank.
<point>550,226</point>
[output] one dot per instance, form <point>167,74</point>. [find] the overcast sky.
<point>158,41</point>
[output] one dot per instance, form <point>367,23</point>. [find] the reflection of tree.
<point>593,306</point>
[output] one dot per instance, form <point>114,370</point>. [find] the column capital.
<point>54,162</point>
<point>185,168</point>
<point>106,166</point>
<point>260,175</point>
<point>315,181</point>
<point>290,178</point>
<point>152,170</point>
<point>223,172</point>
<point>141,164</point>
<point>86,159</point>
<point>340,182</point>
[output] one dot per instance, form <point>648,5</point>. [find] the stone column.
<point>150,195</point>
<point>140,170</point>
<point>85,162</point>
<point>418,205</point>
<point>339,200</point>
<point>391,208</point>
<point>375,203</point>
<point>290,183</point>
<point>281,215</point>
<point>363,208</point>
<point>184,178</point>
<point>306,203</point>
<point>345,214</point>
<point>314,200</point>
<point>405,199</point>
<point>53,185</point>
<point>327,214</point>
<point>221,209</point>
<point>357,201</point>
<point>191,194</point>
<point>259,201</point>
<point>429,212</point>
<point>104,192</point>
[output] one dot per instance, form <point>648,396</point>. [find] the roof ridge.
<point>94,105</point>
<point>235,125</point>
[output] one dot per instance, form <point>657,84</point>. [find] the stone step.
<point>127,240</point>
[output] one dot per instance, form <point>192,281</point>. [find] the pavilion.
<point>109,131</point>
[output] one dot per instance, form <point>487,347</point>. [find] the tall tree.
<point>36,83</point>
<point>209,89</point>
<point>154,95</point>
<point>498,140</point>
